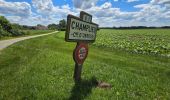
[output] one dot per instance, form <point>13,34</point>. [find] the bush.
<point>3,32</point>
<point>27,32</point>
<point>5,24</point>
<point>63,29</point>
<point>16,32</point>
<point>8,29</point>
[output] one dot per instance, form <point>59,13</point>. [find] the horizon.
<point>106,13</point>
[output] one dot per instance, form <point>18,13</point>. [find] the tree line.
<point>14,29</point>
<point>8,29</point>
<point>137,27</point>
<point>61,26</point>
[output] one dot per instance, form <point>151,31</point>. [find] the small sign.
<point>80,53</point>
<point>79,30</point>
<point>85,16</point>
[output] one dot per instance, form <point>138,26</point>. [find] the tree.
<point>53,26</point>
<point>41,27</point>
<point>8,29</point>
<point>5,24</point>
<point>16,26</point>
<point>1,31</point>
<point>62,24</point>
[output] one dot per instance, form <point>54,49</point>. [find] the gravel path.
<point>6,43</point>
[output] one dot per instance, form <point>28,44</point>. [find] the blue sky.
<point>105,12</point>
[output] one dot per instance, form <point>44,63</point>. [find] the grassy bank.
<point>28,33</point>
<point>42,68</point>
<point>36,32</point>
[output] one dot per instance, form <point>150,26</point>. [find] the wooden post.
<point>77,72</point>
<point>79,55</point>
<point>78,67</point>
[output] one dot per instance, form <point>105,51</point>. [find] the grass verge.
<point>29,33</point>
<point>42,68</point>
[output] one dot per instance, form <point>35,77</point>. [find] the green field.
<point>42,68</point>
<point>144,41</point>
<point>36,32</point>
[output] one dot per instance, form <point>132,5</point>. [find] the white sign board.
<point>79,30</point>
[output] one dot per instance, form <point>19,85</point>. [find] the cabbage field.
<point>42,68</point>
<point>145,41</point>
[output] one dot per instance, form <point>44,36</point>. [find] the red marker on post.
<point>79,55</point>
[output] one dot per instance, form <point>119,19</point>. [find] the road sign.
<point>82,31</point>
<point>80,53</point>
<point>79,30</point>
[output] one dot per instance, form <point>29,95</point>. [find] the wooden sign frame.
<point>68,30</point>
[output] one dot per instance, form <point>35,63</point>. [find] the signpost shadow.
<point>83,88</point>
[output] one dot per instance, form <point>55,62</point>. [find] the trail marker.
<point>82,31</point>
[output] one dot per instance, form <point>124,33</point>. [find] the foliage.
<point>5,27</point>
<point>14,29</point>
<point>16,32</point>
<point>25,27</point>
<point>8,29</point>
<point>145,41</point>
<point>3,33</point>
<point>16,26</point>
<point>53,26</point>
<point>5,24</point>
<point>41,27</point>
<point>62,25</point>
<point>42,69</point>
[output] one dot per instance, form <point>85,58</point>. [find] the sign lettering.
<point>79,30</point>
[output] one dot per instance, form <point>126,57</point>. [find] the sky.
<point>106,13</point>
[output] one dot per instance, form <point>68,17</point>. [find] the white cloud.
<point>106,5</point>
<point>43,6</point>
<point>115,0</point>
<point>149,15</point>
<point>106,15</point>
<point>132,0</point>
<point>15,8</point>
<point>84,4</point>
<point>154,13</point>
<point>14,19</point>
<point>167,14</point>
<point>164,1</point>
<point>47,8</point>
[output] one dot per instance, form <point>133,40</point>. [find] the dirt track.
<point>6,43</point>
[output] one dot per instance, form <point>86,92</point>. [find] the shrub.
<point>3,32</point>
<point>16,32</point>
<point>62,29</point>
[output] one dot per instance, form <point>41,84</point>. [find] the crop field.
<point>144,41</point>
<point>42,68</point>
